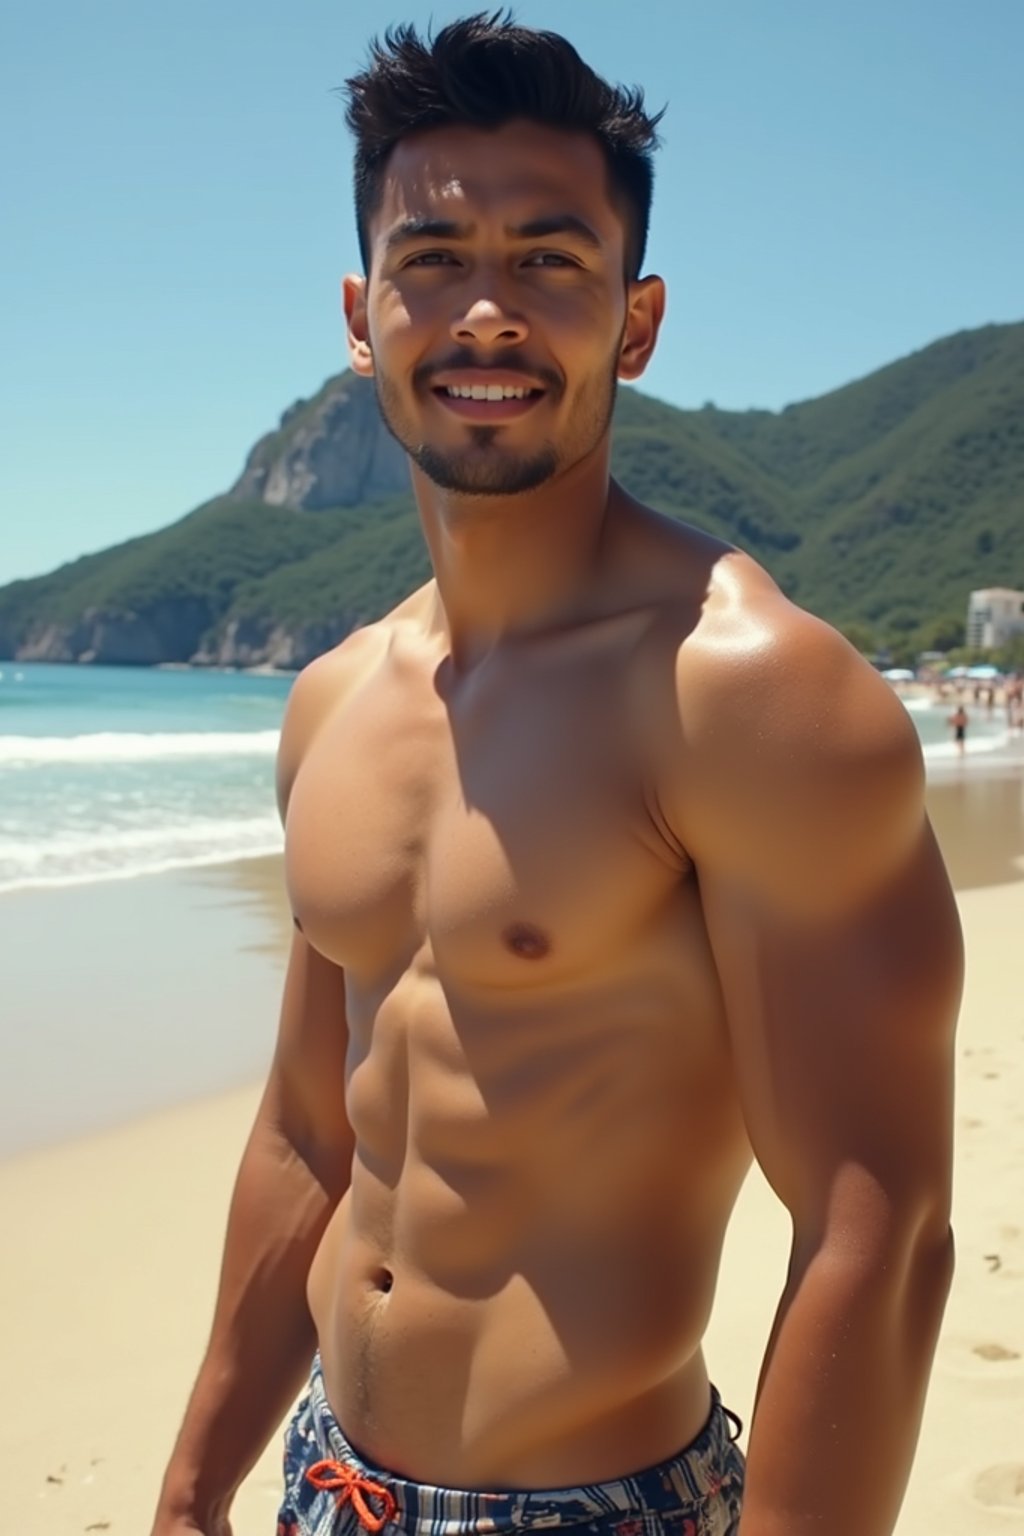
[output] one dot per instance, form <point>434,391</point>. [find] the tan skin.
<point>610,871</point>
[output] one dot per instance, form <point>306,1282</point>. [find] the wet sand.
<point>128,996</point>
<point>979,821</point>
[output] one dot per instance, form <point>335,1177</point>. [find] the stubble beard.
<point>484,468</point>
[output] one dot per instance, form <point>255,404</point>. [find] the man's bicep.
<point>306,1089</point>
<point>842,1030</point>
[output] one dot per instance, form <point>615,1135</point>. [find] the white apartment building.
<point>993,615</point>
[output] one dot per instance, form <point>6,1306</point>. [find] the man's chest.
<point>511,832</point>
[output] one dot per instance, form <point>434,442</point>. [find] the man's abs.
<point>538,1385</point>
<point>514,1290</point>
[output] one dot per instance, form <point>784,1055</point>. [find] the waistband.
<point>378,1498</point>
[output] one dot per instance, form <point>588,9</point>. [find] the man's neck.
<point>507,566</point>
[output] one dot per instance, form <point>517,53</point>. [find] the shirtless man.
<point>610,871</point>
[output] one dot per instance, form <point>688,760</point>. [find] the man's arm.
<point>294,1171</point>
<point>835,935</point>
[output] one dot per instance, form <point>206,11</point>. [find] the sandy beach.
<point>121,1143</point>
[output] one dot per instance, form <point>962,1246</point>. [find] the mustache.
<point>512,362</point>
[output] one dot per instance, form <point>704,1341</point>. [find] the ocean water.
<point>111,772</point>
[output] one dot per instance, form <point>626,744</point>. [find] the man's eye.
<point>428,258</point>
<point>436,258</point>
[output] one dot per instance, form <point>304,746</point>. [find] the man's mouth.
<point>488,402</point>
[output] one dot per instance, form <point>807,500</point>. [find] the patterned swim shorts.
<point>332,1491</point>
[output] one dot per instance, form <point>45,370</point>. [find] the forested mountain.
<point>878,506</point>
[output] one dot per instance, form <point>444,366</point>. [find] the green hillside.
<point>880,504</point>
<point>907,486</point>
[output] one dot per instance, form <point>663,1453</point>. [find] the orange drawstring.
<point>350,1484</point>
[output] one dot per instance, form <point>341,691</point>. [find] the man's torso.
<point>548,1136</point>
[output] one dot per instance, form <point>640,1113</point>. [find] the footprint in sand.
<point>982,1359</point>
<point>1001,1487</point>
<point>995,1352</point>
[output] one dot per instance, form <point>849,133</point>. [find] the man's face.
<point>497,262</point>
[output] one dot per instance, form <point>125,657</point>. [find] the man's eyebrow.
<point>425,229</point>
<point>557,224</point>
<point>535,229</point>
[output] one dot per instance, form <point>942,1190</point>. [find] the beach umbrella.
<point>957,672</point>
<point>983,674</point>
<point>898,675</point>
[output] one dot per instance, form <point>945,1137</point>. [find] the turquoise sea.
<point>112,772</point>
<point>117,771</point>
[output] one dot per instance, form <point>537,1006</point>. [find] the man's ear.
<point>644,314</point>
<point>353,303</point>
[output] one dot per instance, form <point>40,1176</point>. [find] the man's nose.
<point>486,321</point>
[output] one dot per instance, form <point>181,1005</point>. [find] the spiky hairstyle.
<point>482,71</point>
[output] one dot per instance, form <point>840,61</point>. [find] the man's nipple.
<point>527,941</point>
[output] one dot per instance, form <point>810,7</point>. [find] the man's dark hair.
<point>482,71</point>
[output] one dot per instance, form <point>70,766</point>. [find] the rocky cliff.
<point>331,451</point>
<point>164,631</point>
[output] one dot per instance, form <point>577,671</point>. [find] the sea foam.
<point>81,857</point>
<point>135,747</point>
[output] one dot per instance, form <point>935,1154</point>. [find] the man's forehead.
<point>521,170</point>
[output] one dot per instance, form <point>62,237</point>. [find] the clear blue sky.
<point>840,185</point>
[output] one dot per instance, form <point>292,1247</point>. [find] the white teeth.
<point>485,392</point>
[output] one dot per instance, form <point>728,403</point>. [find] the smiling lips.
<point>487,394</point>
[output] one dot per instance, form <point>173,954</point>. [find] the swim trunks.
<point>330,1490</point>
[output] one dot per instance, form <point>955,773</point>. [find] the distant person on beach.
<point>959,721</point>
<point>610,872</point>
<point>1015,704</point>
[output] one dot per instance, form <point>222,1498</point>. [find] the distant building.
<point>993,616</point>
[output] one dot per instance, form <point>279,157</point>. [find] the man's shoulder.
<point>329,678</point>
<point>786,748</point>
<point>746,662</point>
<point>734,638</point>
<point>326,683</point>
<point>757,666</point>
